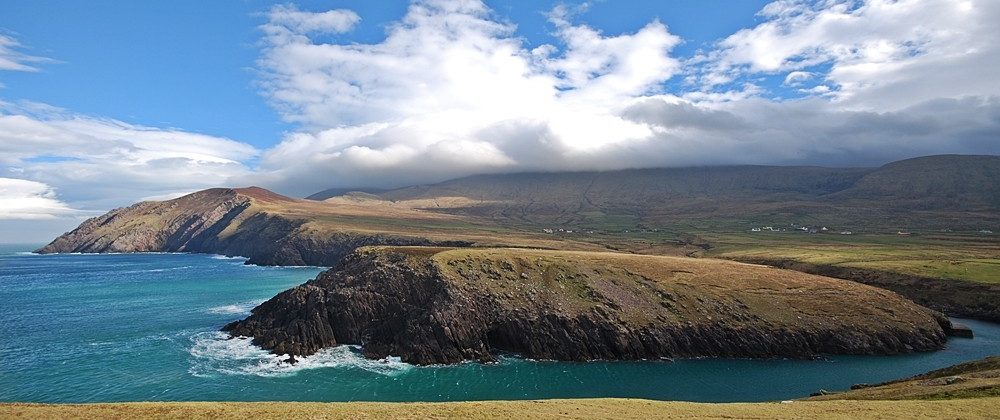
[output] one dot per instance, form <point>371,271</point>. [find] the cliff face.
<point>250,222</point>
<point>433,305</point>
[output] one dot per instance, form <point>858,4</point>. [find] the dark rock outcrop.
<point>432,305</point>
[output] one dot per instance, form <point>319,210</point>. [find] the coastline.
<point>975,408</point>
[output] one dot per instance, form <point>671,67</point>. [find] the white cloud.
<point>451,91</point>
<point>881,54</point>
<point>11,59</point>
<point>286,20</point>
<point>29,200</point>
<point>432,99</point>
<point>796,78</point>
<point>101,163</point>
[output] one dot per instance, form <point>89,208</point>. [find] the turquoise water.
<point>89,328</point>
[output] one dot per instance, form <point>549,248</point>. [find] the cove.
<point>98,328</point>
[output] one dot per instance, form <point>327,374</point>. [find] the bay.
<point>140,327</point>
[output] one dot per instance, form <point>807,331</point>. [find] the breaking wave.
<point>214,354</point>
<point>237,309</point>
<point>223,257</point>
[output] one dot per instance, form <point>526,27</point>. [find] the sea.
<point>145,327</point>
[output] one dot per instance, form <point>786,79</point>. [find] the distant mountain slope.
<point>962,189</point>
<point>637,188</point>
<point>272,229</point>
<point>334,192</point>
<point>945,181</point>
<point>932,192</point>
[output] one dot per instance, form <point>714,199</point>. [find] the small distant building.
<point>824,229</point>
<point>755,230</point>
<point>548,231</point>
<point>986,232</point>
<point>846,232</point>
<point>901,233</point>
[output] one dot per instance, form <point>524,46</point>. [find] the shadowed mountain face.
<point>959,190</point>
<point>932,182</point>
<point>333,192</point>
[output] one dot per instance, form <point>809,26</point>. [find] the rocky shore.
<point>440,305</point>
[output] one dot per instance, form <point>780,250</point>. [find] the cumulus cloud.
<point>452,91</point>
<point>12,59</point>
<point>874,54</point>
<point>796,78</point>
<point>29,200</point>
<point>101,163</point>
<point>287,20</point>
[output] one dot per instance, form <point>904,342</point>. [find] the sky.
<point>104,103</point>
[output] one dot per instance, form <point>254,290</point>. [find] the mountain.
<point>637,192</point>
<point>931,192</point>
<point>440,305</point>
<point>947,191</point>
<point>932,182</point>
<point>334,192</point>
<point>272,229</point>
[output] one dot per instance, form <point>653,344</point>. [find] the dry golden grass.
<point>978,378</point>
<point>981,408</point>
<point>371,216</point>
<point>773,296</point>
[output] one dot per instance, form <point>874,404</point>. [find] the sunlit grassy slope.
<point>969,257</point>
<point>981,408</point>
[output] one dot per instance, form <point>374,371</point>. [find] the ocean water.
<point>92,328</point>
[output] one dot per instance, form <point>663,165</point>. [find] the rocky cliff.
<point>436,305</point>
<point>267,228</point>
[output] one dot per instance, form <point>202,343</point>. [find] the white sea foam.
<point>237,309</point>
<point>223,257</point>
<point>97,254</point>
<point>214,353</point>
<point>157,270</point>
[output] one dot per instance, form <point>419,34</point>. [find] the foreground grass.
<point>977,408</point>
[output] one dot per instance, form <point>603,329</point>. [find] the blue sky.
<point>103,103</point>
<point>191,64</point>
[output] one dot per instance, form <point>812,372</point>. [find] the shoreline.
<point>972,408</point>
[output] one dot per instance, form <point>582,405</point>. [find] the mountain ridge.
<point>958,188</point>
